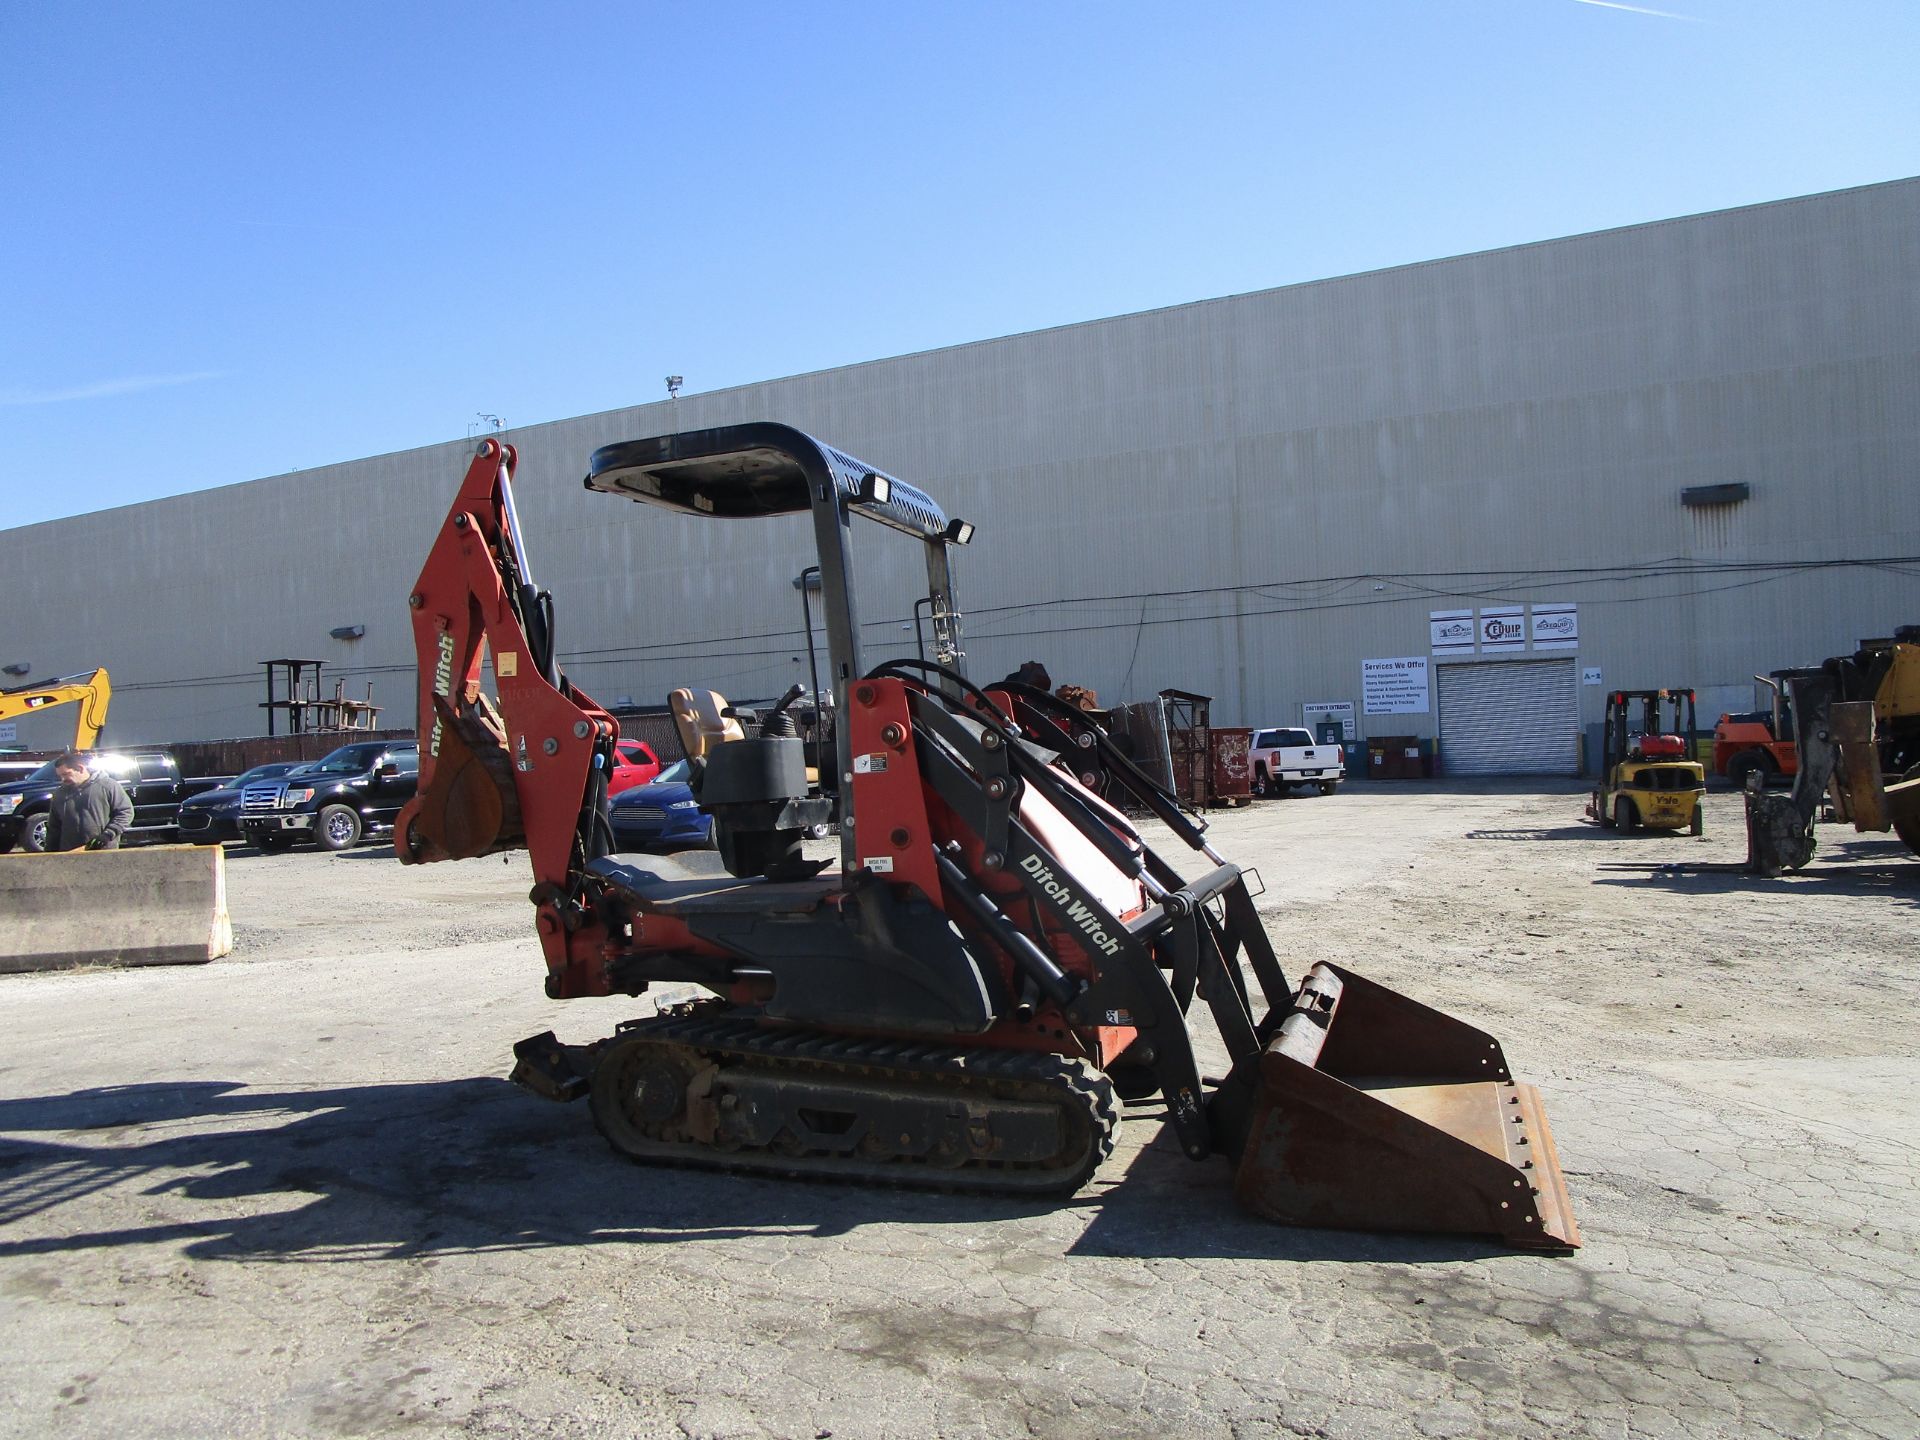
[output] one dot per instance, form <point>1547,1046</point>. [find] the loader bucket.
<point>1374,1112</point>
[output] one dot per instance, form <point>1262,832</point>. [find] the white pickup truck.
<point>1282,759</point>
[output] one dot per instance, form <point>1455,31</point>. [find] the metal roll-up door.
<point>1510,717</point>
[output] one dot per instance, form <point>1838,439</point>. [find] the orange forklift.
<point>1758,742</point>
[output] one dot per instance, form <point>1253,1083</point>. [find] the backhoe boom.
<point>533,771</point>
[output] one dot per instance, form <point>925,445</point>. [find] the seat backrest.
<point>699,717</point>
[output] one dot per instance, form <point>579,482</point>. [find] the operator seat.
<point>702,720</point>
<point>756,788</point>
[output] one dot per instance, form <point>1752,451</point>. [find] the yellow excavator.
<point>90,692</point>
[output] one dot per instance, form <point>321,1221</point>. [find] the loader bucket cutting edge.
<point>1375,1112</point>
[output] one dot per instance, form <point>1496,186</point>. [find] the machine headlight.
<point>298,797</point>
<point>8,804</point>
<point>683,805</point>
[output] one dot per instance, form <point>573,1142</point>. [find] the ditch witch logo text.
<point>442,684</point>
<point>1076,912</point>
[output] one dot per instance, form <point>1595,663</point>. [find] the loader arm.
<point>91,692</point>
<point>532,771</point>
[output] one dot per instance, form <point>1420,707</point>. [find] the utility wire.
<point>1493,585</point>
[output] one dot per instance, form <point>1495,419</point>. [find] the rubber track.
<point>1070,1082</point>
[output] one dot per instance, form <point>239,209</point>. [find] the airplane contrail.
<point>103,389</point>
<point>1640,10</point>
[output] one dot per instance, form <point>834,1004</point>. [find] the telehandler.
<point>1856,728</point>
<point>994,960</point>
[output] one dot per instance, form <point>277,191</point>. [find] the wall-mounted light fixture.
<point>347,632</point>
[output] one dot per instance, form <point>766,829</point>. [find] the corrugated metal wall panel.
<point>1536,408</point>
<point>1509,717</point>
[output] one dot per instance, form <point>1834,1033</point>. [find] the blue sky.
<point>239,239</point>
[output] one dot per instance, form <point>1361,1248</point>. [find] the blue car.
<point>661,814</point>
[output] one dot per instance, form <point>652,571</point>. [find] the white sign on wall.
<point>1394,687</point>
<point>1503,627</point>
<point>9,733</point>
<point>1314,711</point>
<point>1555,627</point>
<point>1590,675</point>
<point>1450,632</point>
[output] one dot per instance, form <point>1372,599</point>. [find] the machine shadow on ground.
<point>1580,831</point>
<point>1854,866</point>
<point>374,1172</point>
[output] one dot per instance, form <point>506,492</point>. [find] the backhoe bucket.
<point>468,806</point>
<point>1375,1112</point>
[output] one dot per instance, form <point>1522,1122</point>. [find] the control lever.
<point>777,723</point>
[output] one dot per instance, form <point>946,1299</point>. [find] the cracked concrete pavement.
<point>287,1193</point>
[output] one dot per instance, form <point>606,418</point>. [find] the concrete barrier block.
<point>144,905</point>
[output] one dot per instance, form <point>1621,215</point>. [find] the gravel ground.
<point>288,1193</point>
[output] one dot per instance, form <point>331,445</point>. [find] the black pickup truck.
<point>336,801</point>
<point>151,779</point>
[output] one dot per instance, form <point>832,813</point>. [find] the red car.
<point>634,764</point>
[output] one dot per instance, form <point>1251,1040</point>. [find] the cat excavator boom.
<point>91,692</point>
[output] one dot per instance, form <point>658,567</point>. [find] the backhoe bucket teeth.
<point>1375,1112</point>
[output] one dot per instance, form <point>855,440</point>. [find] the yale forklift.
<point>1647,776</point>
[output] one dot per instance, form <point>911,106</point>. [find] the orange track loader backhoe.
<point>994,960</point>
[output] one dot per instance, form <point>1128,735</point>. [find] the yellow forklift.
<point>1648,775</point>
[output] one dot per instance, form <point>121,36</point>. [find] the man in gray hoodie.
<point>89,811</point>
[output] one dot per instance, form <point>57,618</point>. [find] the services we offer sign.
<point>1395,687</point>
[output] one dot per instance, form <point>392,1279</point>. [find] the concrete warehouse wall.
<point>1244,496</point>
